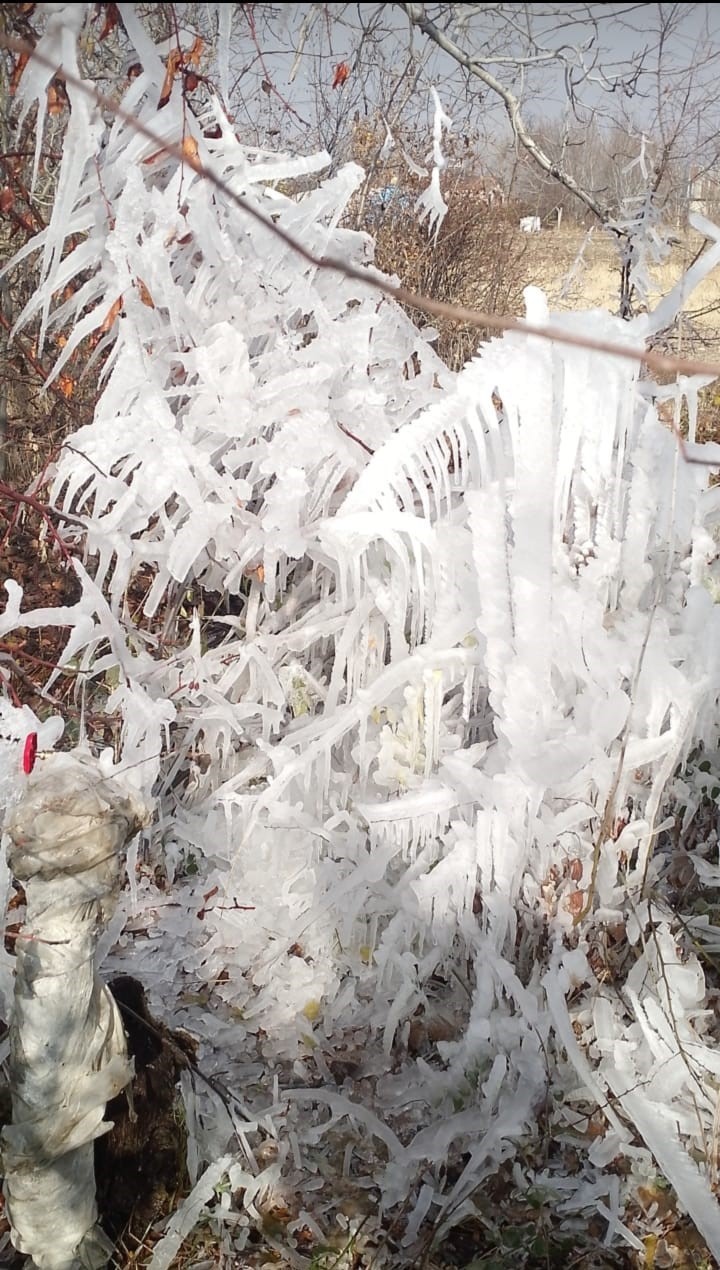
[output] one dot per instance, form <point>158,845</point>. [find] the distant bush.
<point>479,260</point>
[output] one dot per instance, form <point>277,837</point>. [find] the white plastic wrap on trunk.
<point>68,1053</point>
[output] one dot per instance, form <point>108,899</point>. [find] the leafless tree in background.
<point>599,112</point>
<point>632,89</point>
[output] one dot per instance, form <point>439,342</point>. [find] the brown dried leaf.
<point>55,104</point>
<point>144,294</point>
<point>190,149</point>
<point>342,70</point>
<point>19,67</point>
<point>173,64</point>
<point>193,57</point>
<point>112,314</point>
<point>112,17</point>
<point>24,219</point>
<point>575,902</point>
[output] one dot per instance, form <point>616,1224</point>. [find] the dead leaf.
<point>342,70</point>
<point>25,219</point>
<point>55,99</point>
<point>575,902</point>
<point>144,294</point>
<point>7,198</point>
<point>190,148</point>
<point>66,386</point>
<point>656,1199</point>
<point>193,57</point>
<point>112,17</point>
<point>174,62</point>
<point>112,314</point>
<point>19,67</point>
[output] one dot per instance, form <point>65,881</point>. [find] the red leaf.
<point>23,59</point>
<point>342,70</point>
<point>29,752</point>
<point>112,17</point>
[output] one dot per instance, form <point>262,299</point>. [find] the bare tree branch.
<point>417,17</point>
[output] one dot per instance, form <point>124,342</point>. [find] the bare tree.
<point>648,110</point>
<point>597,110</point>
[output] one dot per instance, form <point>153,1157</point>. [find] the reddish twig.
<point>30,683</point>
<point>357,440</point>
<point>32,360</point>
<point>47,511</point>
<point>6,654</point>
<point>14,519</point>
<point>9,685</point>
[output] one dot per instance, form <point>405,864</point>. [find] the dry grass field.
<point>579,269</point>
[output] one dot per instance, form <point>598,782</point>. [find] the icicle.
<point>224,17</point>
<point>432,704</point>
<point>431,203</point>
<point>187,1216</point>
